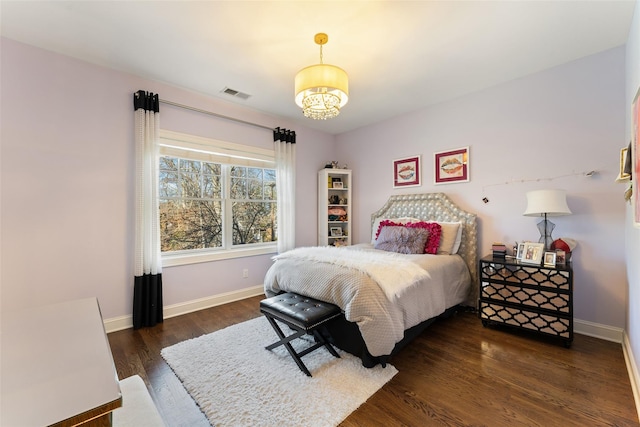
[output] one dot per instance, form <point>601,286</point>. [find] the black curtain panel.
<point>147,286</point>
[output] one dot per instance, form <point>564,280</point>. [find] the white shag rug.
<point>236,382</point>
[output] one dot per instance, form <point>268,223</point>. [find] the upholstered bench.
<point>303,315</point>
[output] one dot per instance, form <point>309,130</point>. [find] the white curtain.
<point>285,149</point>
<point>147,297</point>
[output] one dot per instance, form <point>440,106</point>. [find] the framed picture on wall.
<point>451,166</point>
<point>625,161</point>
<point>406,172</point>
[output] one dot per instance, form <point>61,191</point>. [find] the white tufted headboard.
<point>438,207</point>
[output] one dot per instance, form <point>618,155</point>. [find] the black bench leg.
<point>327,344</point>
<point>284,340</point>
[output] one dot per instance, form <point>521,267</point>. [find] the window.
<point>253,211</point>
<point>190,197</point>
<point>217,200</point>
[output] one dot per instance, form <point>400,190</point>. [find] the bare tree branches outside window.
<point>192,197</point>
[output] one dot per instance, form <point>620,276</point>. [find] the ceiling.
<point>400,55</point>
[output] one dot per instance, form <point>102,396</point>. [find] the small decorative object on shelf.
<point>336,231</point>
<point>499,250</point>
<point>527,297</point>
<point>565,244</point>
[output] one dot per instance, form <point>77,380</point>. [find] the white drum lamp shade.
<point>546,203</point>
<point>322,89</point>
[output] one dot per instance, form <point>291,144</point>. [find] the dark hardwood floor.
<point>457,373</point>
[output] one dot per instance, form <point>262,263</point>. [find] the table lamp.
<point>546,203</point>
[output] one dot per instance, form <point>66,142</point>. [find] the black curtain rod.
<point>186,107</point>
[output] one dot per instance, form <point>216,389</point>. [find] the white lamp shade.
<point>319,78</point>
<point>550,202</point>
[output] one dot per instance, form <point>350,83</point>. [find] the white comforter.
<point>384,293</point>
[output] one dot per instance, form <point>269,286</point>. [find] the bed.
<point>388,298</point>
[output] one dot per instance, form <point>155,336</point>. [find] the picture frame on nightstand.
<point>549,259</point>
<point>532,253</point>
<point>520,251</point>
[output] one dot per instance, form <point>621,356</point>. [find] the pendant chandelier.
<point>321,90</point>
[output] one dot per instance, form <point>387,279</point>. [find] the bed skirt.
<point>346,336</point>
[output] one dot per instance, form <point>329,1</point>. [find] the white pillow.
<point>450,238</point>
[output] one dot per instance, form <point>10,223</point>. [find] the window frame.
<point>177,144</point>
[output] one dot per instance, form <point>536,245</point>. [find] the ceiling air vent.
<point>235,93</point>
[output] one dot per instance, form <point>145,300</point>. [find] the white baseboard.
<point>125,322</point>
<point>617,335</point>
<point>597,330</point>
<point>634,378</point>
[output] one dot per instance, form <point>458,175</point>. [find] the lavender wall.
<point>633,233</point>
<point>537,132</point>
<point>67,180</point>
<point>67,165</point>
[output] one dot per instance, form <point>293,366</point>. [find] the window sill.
<point>174,260</point>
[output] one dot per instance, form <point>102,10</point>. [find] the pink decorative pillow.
<point>403,240</point>
<point>434,229</point>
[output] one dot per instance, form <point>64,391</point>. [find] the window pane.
<point>238,171</point>
<point>254,173</point>
<point>212,168</point>
<point>238,188</point>
<point>190,225</point>
<point>191,185</point>
<point>190,165</point>
<point>168,163</point>
<point>253,222</point>
<point>168,184</point>
<point>211,187</point>
<point>270,175</point>
<point>255,189</point>
<point>270,190</point>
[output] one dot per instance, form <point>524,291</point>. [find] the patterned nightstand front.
<point>531,297</point>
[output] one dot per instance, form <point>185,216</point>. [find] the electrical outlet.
<point>245,273</point>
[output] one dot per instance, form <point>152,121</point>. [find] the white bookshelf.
<point>334,194</point>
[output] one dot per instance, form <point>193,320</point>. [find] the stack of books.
<point>499,250</point>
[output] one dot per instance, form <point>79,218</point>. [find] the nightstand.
<point>528,297</point>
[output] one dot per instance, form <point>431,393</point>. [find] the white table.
<point>56,367</point>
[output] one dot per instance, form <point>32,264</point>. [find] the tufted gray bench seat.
<point>305,316</point>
